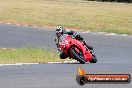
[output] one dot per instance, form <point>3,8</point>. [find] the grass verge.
<point>28,55</point>
<point>81,14</point>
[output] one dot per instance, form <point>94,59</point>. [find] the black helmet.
<point>59,31</point>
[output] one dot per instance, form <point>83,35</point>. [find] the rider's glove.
<point>79,37</point>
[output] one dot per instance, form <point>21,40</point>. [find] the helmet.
<point>59,31</point>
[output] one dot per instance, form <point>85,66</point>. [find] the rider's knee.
<point>63,55</point>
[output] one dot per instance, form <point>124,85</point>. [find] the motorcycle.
<point>76,49</point>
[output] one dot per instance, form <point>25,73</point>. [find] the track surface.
<point>114,54</point>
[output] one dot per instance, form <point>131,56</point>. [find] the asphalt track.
<point>114,54</point>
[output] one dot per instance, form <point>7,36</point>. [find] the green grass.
<point>81,14</point>
<point>28,55</point>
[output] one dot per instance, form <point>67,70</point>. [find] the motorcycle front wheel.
<point>76,56</point>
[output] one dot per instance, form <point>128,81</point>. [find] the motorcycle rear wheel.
<point>93,60</point>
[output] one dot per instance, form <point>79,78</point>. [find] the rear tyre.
<point>76,56</point>
<point>93,60</point>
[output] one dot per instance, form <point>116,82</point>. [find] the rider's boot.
<point>63,55</point>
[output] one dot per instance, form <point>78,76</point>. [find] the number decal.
<point>66,42</point>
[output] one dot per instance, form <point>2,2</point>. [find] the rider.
<point>60,31</point>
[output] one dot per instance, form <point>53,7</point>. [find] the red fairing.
<point>67,42</point>
<point>86,53</point>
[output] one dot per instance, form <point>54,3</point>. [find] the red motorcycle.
<point>76,49</point>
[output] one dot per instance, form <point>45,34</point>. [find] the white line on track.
<point>35,26</point>
<point>4,48</point>
<point>18,64</point>
<point>124,35</point>
<point>103,33</point>
<point>111,34</point>
<point>99,32</point>
<point>108,34</point>
<point>8,23</point>
<point>73,61</point>
<point>17,24</point>
<point>53,62</point>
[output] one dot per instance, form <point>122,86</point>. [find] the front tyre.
<point>76,56</point>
